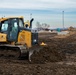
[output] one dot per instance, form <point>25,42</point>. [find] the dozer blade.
<point>36,48</point>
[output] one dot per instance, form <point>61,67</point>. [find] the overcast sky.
<point>38,4</point>
<point>50,9</point>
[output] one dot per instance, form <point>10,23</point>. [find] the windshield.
<point>4,26</point>
<point>20,23</point>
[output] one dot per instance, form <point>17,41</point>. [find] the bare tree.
<point>45,26</point>
<point>38,25</point>
<point>42,26</point>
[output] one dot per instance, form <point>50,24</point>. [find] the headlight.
<point>34,40</point>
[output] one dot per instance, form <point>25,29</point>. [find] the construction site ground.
<point>58,57</point>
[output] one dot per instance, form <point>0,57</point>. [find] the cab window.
<point>20,23</point>
<point>4,26</point>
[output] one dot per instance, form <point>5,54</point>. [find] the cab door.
<point>13,33</point>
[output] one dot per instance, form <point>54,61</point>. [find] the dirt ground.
<point>58,57</point>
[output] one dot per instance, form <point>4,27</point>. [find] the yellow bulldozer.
<point>15,38</point>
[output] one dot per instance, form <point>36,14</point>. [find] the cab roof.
<point>6,18</point>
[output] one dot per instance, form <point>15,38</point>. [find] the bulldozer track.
<point>15,52</point>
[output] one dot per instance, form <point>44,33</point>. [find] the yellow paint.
<point>3,37</point>
<point>25,38</point>
<point>27,23</point>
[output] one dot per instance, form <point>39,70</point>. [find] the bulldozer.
<point>15,38</point>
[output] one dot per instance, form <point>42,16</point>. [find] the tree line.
<point>43,26</point>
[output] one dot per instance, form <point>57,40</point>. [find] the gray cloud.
<point>38,4</point>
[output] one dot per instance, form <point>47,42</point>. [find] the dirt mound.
<point>47,54</point>
<point>56,50</point>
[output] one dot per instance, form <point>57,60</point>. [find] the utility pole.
<point>30,16</point>
<point>63,19</point>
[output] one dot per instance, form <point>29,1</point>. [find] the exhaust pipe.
<point>31,22</point>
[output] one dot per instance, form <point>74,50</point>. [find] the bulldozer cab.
<point>10,27</point>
